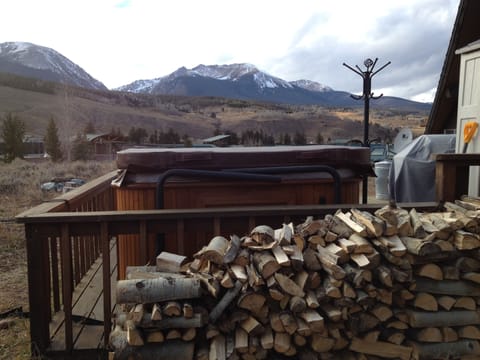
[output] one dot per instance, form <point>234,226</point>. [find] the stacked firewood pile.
<point>354,285</point>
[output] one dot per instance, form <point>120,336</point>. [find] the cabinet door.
<point>469,110</point>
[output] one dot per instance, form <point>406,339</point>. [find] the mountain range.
<point>235,81</point>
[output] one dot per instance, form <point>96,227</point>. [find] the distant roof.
<point>215,138</point>
<point>465,31</point>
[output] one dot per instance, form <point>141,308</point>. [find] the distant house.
<point>34,147</point>
<point>105,146</point>
<point>443,116</point>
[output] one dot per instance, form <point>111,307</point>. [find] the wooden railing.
<point>65,236</point>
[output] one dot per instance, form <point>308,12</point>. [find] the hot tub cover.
<point>161,159</point>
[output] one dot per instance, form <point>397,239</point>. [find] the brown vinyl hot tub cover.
<point>144,160</point>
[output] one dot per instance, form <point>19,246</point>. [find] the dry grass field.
<point>20,190</point>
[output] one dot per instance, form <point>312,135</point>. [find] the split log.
<point>157,290</point>
<point>282,342</point>
<point>355,226</point>
<point>466,241</point>
<point>178,350</point>
<point>232,249</point>
<point>431,271</point>
<point>374,225</point>
<point>241,340</point>
<point>418,230</point>
<point>362,245</point>
<point>329,263</point>
<point>198,320</point>
<point>314,320</point>
<point>280,256</point>
<point>172,308</point>
<point>251,301</point>
<point>381,348</point>
<point>220,307</point>
<point>217,348</point>
<point>446,287</point>
<point>265,264</point>
<point>429,334</point>
<point>395,246</point>
<point>446,302</point>
<point>447,350</point>
<point>134,337</point>
<point>169,262</point>
<point>266,340</point>
<point>419,319</point>
<point>449,334</point>
<point>156,312</point>
<point>288,285</point>
<point>425,301</point>
<point>420,247</point>
<point>320,343</point>
<point>469,332</point>
<point>215,250</point>
<point>155,336</point>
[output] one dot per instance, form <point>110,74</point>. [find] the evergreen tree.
<point>81,149</point>
<point>52,142</point>
<point>300,138</point>
<point>12,133</point>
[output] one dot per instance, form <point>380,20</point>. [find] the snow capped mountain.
<point>311,85</point>
<point>30,60</point>
<point>232,72</point>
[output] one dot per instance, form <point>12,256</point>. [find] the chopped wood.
<point>314,320</point>
<point>373,224</point>
<point>428,334</point>
<point>173,334</point>
<point>417,224</point>
<point>347,219</point>
<point>156,336</point>
<point>217,348</point>
<point>469,332</point>
<point>280,256</point>
<point>447,287</point>
<point>134,337</point>
<point>362,245</point>
<point>232,249</point>
<point>282,342</point>
<point>321,343</point>
<point>446,302</point>
<point>169,262</point>
<point>172,308</point>
<point>263,234</point>
<point>431,271</point>
<point>266,340</point>
<point>189,334</point>
<point>449,334</point>
<point>229,296</point>
<point>394,244</point>
<point>466,240</point>
<point>156,290</point>
<point>443,318</point>
<point>239,273</point>
<point>251,301</point>
<point>241,340</point>
<point>465,302</point>
<point>288,285</point>
<point>156,312</point>
<point>420,247</point>
<point>425,301</point>
<point>454,350</point>
<point>329,263</point>
<point>215,250</point>
<point>265,264</point>
<point>381,348</point>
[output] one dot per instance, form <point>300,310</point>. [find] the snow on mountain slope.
<point>32,60</point>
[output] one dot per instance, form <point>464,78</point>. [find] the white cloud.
<point>119,41</point>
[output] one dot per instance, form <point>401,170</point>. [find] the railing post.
<point>38,283</point>
<point>66,251</point>
<point>107,291</point>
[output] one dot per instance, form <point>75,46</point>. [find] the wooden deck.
<point>87,311</point>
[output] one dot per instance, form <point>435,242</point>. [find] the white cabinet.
<point>469,106</point>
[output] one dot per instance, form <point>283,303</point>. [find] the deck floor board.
<point>87,309</point>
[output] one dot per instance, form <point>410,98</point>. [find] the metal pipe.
<point>299,169</point>
<point>209,174</point>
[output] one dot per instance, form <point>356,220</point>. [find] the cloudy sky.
<point>119,41</point>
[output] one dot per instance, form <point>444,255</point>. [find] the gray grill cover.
<point>412,173</point>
